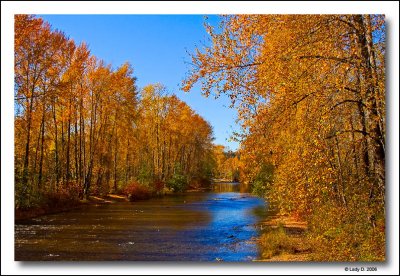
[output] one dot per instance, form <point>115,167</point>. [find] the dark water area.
<point>216,226</point>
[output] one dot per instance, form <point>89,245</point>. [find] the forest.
<point>83,127</point>
<point>309,91</point>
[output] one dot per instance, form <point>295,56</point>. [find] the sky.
<point>157,47</point>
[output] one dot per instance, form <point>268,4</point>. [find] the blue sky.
<point>156,47</point>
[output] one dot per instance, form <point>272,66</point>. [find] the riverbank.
<point>283,239</point>
<point>68,206</point>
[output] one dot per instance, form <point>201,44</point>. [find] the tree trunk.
<point>40,178</point>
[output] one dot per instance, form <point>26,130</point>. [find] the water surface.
<point>214,226</point>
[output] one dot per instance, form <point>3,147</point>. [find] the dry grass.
<point>284,239</point>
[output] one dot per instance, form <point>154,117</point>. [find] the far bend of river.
<point>218,225</point>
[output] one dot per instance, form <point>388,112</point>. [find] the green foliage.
<point>28,197</point>
<point>262,180</point>
<point>204,175</point>
<point>145,175</point>
<point>178,182</point>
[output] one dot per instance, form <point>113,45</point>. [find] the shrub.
<point>145,175</point>
<point>263,180</point>
<point>135,191</point>
<point>73,190</point>
<point>177,183</point>
<point>347,234</point>
<point>258,188</point>
<point>199,182</point>
<point>158,186</point>
<point>276,242</point>
<point>66,195</point>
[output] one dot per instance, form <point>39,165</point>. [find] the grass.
<point>277,242</point>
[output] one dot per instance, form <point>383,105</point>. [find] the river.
<point>215,226</point>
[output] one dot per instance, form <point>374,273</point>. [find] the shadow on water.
<point>219,225</point>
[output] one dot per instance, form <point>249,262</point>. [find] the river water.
<point>215,226</point>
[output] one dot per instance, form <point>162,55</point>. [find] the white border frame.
<point>8,9</point>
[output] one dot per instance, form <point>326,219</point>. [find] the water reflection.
<point>193,227</point>
<point>226,187</point>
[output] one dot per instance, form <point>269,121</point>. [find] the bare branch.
<point>351,89</point>
<point>337,133</point>
<point>303,98</point>
<point>342,60</point>
<point>241,66</point>
<point>347,101</point>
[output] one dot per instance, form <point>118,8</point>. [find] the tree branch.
<point>347,101</point>
<point>18,98</point>
<point>241,66</point>
<point>302,98</point>
<point>343,60</point>
<point>346,131</point>
<point>351,89</point>
<point>347,22</point>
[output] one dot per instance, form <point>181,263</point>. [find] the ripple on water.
<point>191,227</point>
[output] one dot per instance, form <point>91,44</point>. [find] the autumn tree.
<point>227,165</point>
<point>82,127</point>
<point>175,139</point>
<point>309,90</point>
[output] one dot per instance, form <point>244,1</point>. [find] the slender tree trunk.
<point>57,165</point>
<point>127,166</point>
<point>88,177</point>
<point>62,151</point>
<point>115,163</point>
<point>68,157</point>
<point>82,143</point>
<point>77,177</point>
<point>25,169</point>
<point>40,178</point>
<point>37,150</point>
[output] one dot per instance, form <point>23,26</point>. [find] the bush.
<point>200,182</point>
<point>73,190</point>
<point>347,234</point>
<point>145,175</point>
<point>258,188</point>
<point>177,183</point>
<point>158,186</point>
<point>276,242</point>
<point>65,195</point>
<point>28,197</point>
<point>135,191</point>
<point>263,180</point>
